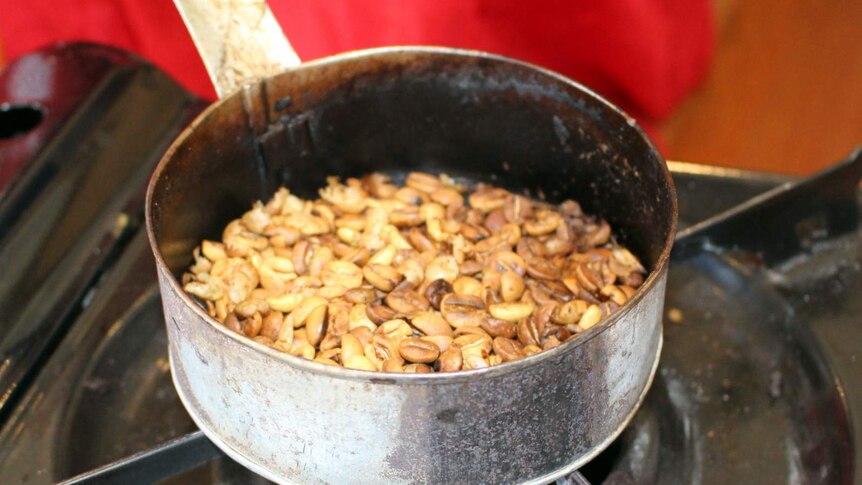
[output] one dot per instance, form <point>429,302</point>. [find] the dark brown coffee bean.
<point>436,291</point>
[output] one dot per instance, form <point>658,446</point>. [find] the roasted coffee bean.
<point>460,310</point>
<point>376,277</point>
<point>423,182</point>
<point>350,347</point>
<point>470,330</point>
<point>443,342</point>
<point>396,329</point>
<point>528,333</point>
<point>378,312</point>
<point>466,285</point>
<point>251,326</point>
<point>541,268</point>
<point>508,349</point>
<point>470,267</point>
<point>382,277</point>
<point>417,369</point>
<point>407,302</point>
<point>511,311</point>
<point>451,360</point>
<point>511,286</point>
<point>472,359</point>
<point>315,325</point>
<point>591,316</point>
<point>359,362</point>
<point>474,342</point>
<point>418,351</point>
<point>232,322</point>
<point>435,292</point>
<point>393,365</point>
<point>488,198</point>
<point>271,325</point>
<point>431,323</point>
<point>364,334</point>
<point>360,295</point>
<point>499,328</point>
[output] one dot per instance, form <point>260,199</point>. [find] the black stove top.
<point>758,378</point>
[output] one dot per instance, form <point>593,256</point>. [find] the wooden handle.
<point>239,41</point>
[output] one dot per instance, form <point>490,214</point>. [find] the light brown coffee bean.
<point>251,306</point>
<point>448,197</point>
<point>470,267</point>
<point>511,311</point>
<point>350,347</point>
<point>550,343</point>
<point>592,315</point>
<point>541,268</point>
<point>488,198</point>
<point>301,312</point>
<point>506,260</point>
<point>362,295</point>
<point>528,333</point>
<point>511,286</point>
<point>418,351</point>
<point>363,334</point>
<point>251,326</point>
<point>532,349</point>
<point>470,330</point>
<point>232,322</point>
<point>359,362</point>
<point>443,267</point>
<point>378,312</point>
<point>315,325</point>
<point>460,310</point>
<point>417,369</point>
<point>420,240</point>
<point>443,342</point>
<point>341,273</point>
<point>451,360</point>
<point>499,328</point>
<point>472,341</point>
<point>301,256</point>
<point>396,329</point>
<point>423,182</point>
<point>466,285</point>
<point>508,349</point>
<point>569,312</point>
<point>407,302</point>
<point>358,317</point>
<point>393,365</point>
<point>494,221</point>
<point>272,324</point>
<point>285,303</point>
<point>472,359</point>
<point>431,323</point>
<point>382,277</point>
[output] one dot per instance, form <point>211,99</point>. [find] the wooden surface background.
<point>785,90</point>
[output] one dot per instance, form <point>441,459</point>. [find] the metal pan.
<point>469,114</point>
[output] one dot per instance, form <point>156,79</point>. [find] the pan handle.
<point>239,41</point>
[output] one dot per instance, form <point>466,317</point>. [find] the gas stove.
<point>758,378</point>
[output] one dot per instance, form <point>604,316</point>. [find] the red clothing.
<point>645,55</point>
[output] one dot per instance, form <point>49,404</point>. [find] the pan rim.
<point>655,277</point>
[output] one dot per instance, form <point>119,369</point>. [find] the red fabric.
<point>645,55</point>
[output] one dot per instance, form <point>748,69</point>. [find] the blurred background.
<point>763,85</point>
